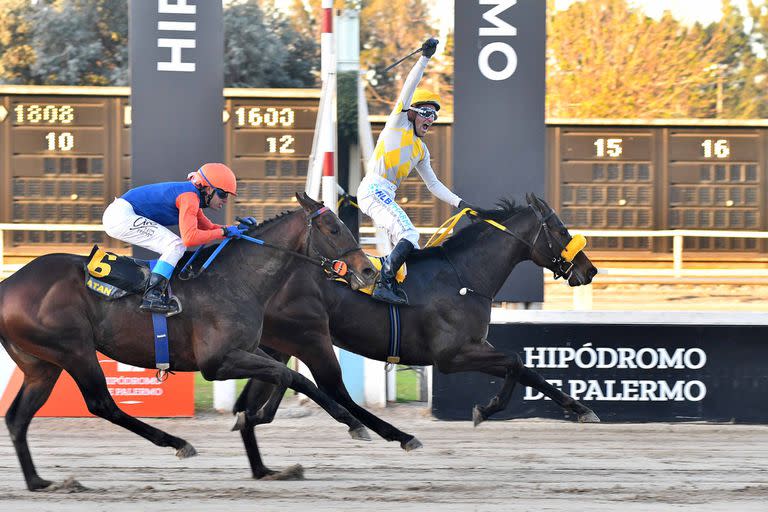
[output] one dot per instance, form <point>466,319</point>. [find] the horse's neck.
<point>289,231</point>
<point>486,264</point>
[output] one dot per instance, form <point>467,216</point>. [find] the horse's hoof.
<point>38,484</point>
<point>360,433</point>
<point>412,444</point>
<point>68,486</point>
<point>295,472</point>
<point>589,417</point>
<point>477,415</point>
<point>239,421</point>
<point>186,451</point>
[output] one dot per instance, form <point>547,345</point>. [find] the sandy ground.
<point>502,465</point>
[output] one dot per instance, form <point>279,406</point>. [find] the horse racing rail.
<point>582,295</point>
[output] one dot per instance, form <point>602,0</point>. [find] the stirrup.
<point>167,308</point>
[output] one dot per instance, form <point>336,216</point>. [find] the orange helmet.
<point>215,175</point>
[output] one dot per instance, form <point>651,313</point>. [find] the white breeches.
<point>121,222</point>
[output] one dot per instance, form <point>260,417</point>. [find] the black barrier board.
<point>498,128</point>
<point>625,373</point>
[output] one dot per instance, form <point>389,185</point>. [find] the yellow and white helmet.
<point>425,97</point>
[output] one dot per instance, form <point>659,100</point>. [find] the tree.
<point>16,53</point>
<point>263,49</point>
<point>390,30</point>
<point>80,42</point>
<point>605,59</point>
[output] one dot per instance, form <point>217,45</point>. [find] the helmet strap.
<point>206,198</point>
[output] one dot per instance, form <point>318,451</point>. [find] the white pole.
<point>224,395</point>
<point>328,145</point>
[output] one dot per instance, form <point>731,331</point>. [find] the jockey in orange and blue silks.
<point>399,150</point>
<point>142,215</point>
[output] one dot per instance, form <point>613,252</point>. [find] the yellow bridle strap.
<point>574,247</point>
<point>338,204</point>
<point>445,229</point>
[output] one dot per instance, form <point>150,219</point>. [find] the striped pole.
<point>326,40</point>
<point>327,137</point>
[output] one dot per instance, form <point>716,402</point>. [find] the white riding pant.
<point>376,198</point>
<point>121,222</point>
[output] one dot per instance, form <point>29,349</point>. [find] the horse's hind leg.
<point>532,379</point>
<point>90,379</point>
<point>39,379</point>
<point>238,364</point>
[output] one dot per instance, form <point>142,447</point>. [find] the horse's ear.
<point>528,198</point>
<point>306,202</point>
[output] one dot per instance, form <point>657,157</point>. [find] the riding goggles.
<point>221,193</point>
<point>426,112</point>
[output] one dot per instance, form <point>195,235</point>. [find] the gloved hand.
<point>233,231</point>
<point>482,212</point>
<point>246,222</point>
<point>429,47</point>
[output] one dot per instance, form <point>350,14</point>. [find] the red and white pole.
<point>327,139</point>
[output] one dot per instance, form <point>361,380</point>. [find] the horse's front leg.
<point>240,364</point>
<point>482,357</point>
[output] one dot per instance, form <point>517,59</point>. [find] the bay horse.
<point>49,322</point>
<point>441,327</point>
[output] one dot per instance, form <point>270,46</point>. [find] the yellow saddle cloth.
<point>376,262</point>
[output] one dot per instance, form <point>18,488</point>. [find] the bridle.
<point>560,256</point>
<point>333,268</point>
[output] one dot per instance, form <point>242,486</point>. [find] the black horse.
<point>49,321</point>
<point>441,327</point>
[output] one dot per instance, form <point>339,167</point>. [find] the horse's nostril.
<point>592,272</point>
<point>369,272</point>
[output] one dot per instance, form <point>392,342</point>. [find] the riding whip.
<point>414,52</point>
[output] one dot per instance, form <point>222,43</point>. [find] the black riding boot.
<point>155,299</point>
<point>387,289</point>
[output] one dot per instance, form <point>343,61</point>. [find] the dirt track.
<point>512,465</point>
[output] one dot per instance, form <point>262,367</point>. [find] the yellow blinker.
<point>574,247</point>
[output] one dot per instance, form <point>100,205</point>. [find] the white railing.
<point>37,227</point>
<point>677,235</point>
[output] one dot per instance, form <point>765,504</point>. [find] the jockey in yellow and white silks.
<point>399,150</point>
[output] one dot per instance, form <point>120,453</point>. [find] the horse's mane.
<point>207,251</point>
<point>468,235</point>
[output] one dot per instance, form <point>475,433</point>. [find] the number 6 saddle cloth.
<point>115,276</point>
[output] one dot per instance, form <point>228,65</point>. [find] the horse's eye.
<point>335,230</point>
<point>564,232</point>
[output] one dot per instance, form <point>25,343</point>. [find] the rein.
<point>333,268</point>
<point>562,259</point>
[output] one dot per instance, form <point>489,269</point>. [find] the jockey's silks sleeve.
<point>192,231</point>
<point>204,222</point>
<point>398,150</point>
